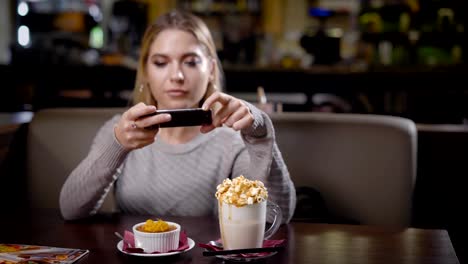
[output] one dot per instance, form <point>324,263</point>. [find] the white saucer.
<point>191,244</point>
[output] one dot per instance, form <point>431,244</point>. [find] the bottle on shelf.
<point>324,47</point>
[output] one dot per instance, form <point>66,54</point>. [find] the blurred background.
<point>397,57</point>
<point>392,57</point>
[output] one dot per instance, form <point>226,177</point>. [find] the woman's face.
<point>178,70</point>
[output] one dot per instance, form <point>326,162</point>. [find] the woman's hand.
<point>233,113</point>
<point>134,131</point>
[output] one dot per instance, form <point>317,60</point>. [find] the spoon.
<point>215,243</point>
<point>119,235</point>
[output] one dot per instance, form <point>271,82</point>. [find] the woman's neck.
<point>178,135</point>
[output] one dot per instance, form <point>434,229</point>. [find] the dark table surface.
<point>306,242</point>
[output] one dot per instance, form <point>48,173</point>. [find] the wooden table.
<point>306,242</point>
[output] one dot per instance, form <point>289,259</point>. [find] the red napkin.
<point>130,239</point>
<point>266,243</point>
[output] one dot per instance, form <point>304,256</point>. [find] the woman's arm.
<point>88,184</point>
<point>263,158</point>
<point>266,162</point>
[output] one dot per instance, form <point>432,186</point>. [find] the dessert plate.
<point>190,241</point>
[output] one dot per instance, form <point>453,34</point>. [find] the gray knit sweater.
<point>163,179</point>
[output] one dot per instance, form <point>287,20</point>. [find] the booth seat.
<point>364,166</point>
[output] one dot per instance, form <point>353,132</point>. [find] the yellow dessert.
<point>158,226</point>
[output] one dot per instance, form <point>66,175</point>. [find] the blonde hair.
<point>183,21</point>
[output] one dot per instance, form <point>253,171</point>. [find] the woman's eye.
<point>192,62</point>
<point>159,64</point>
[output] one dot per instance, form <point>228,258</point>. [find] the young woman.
<point>175,171</point>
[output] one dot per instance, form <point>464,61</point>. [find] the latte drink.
<point>242,227</point>
<point>242,211</point>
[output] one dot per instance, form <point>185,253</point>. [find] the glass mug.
<point>244,227</point>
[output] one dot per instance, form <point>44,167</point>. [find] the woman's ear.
<point>212,69</point>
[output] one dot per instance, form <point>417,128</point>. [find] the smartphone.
<point>185,117</point>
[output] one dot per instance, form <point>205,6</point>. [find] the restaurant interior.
<point>397,58</point>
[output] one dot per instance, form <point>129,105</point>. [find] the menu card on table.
<point>31,254</point>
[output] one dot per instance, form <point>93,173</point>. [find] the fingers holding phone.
<point>233,113</point>
<point>131,130</point>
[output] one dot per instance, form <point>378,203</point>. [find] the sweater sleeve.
<point>88,184</point>
<point>266,162</point>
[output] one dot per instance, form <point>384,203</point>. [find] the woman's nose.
<point>177,75</point>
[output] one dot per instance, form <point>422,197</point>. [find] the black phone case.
<point>185,117</point>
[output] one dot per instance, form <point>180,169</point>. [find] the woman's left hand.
<point>233,113</point>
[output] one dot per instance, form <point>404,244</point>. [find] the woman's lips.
<point>176,92</point>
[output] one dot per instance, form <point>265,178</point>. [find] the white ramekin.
<point>157,242</point>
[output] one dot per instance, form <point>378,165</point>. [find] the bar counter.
<point>424,94</point>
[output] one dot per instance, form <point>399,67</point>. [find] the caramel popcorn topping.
<point>241,191</point>
<point>159,226</point>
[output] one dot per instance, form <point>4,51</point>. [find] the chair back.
<point>363,165</point>
<point>57,140</point>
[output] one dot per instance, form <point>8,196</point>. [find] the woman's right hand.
<point>134,132</point>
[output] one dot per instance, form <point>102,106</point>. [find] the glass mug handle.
<point>276,221</point>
